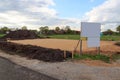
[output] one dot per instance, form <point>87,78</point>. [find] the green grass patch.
<point>110,37</point>
<point>77,37</point>
<point>66,36</point>
<point>93,57</point>
<point>1,35</point>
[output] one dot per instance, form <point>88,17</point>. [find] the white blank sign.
<point>89,29</point>
<point>93,42</point>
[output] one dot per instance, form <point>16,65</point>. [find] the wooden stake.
<point>64,54</point>
<point>98,50</point>
<point>72,54</point>
<point>80,47</point>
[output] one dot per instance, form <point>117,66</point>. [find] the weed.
<point>93,57</point>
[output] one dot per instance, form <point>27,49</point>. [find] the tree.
<point>24,28</point>
<point>4,30</point>
<point>68,30</point>
<point>118,28</point>
<point>108,32</point>
<point>44,30</point>
<point>41,30</point>
<point>57,29</point>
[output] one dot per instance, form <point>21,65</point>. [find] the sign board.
<point>92,32</point>
<point>90,29</point>
<point>93,42</point>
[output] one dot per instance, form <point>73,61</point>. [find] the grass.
<point>110,37</point>
<point>67,36</point>
<point>77,37</point>
<point>1,35</point>
<point>93,57</point>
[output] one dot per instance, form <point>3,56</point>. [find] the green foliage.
<point>110,37</point>
<point>68,30</point>
<point>108,32</point>
<point>77,37</point>
<point>118,29</point>
<point>44,30</point>
<point>93,57</point>
<point>1,35</point>
<point>4,29</point>
<point>57,29</point>
<point>24,28</point>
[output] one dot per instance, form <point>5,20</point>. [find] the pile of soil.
<point>34,52</point>
<point>21,34</point>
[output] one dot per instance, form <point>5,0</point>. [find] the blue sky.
<point>75,8</point>
<point>37,13</point>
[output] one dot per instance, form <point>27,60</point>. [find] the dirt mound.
<point>21,34</point>
<point>34,52</point>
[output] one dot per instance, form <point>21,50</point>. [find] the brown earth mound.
<point>21,34</point>
<point>34,52</point>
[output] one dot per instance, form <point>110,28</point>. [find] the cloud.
<point>32,13</point>
<point>108,12</point>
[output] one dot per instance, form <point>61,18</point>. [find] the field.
<point>69,45</point>
<point>77,37</point>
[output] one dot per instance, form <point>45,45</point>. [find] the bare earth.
<point>106,46</point>
<point>70,70</point>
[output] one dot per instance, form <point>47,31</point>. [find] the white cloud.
<point>32,13</point>
<point>107,12</point>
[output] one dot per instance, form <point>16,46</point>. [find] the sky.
<point>52,13</point>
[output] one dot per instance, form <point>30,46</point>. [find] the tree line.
<point>45,30</point>
<point>110,32</point>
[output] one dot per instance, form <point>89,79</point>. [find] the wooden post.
<point>80,47</point>
<point>64,54</point>
<point>98,50</point>
<point>72,54</point>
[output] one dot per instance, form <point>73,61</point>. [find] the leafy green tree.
<point>24,28</point>
<point>118,29</point>
<point>41,30</point>
<point>57,29</point>
<point>68,29</point>
<point>44,30</point>
<point>108,32</point>
<point>4,30</point>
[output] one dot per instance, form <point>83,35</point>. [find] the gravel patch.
<point>67,70</point>
<point>11,71</point>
